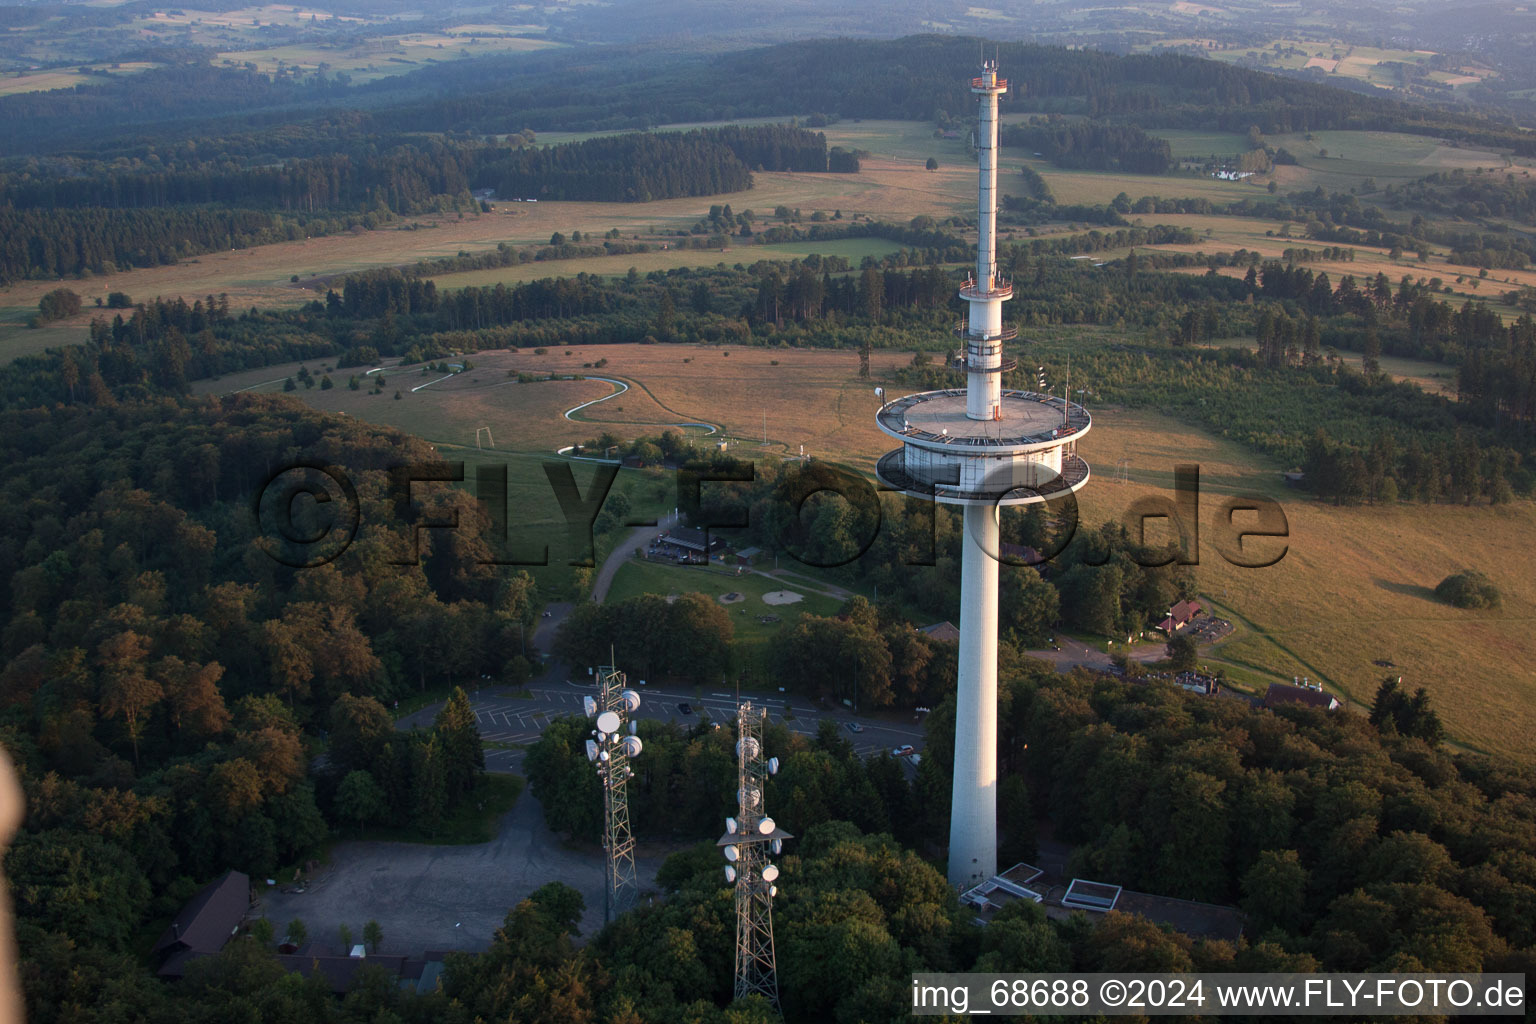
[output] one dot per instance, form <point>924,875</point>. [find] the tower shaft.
<point>981,448</point>
<point>986,292</point>
<point>973,813</point>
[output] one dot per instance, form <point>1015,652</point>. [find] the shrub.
<point>1468,589</point>
<point>57,304</point>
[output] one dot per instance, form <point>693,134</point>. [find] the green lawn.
<point>17,339</point>
<point>637,578</point>
<point>1189,145</point>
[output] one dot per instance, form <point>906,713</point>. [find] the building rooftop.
<point>1285,693</point>
<point>1200,920</point>
<point>946,631</point>
<point>205,924</point>
<point>937,418</point>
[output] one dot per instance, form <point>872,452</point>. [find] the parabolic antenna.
<point>731,853</point>
<point>770,872</point>
<point>731,826</point>
<point>730,873</point>
<point>632,746</point>
<point>608,722</point>
<point>778,846</point>
<point>766,826</point>
<point>749,796</point>
<point>591,750</point>
<point>773,766</point>
<point>773,890</point>
<point>631,699</point>
<point>753,747</point>
<point>589,706</point>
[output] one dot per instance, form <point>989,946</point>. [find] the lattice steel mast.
<point>749,840</point>
<point>611,747</point>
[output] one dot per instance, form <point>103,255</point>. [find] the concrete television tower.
<point>981,447</point>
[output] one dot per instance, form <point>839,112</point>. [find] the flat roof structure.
<point>689,538</point>
<point>1085,895</point>
<point>1202,920</point>
<point>1002,889</point>
<point>1027,420</point>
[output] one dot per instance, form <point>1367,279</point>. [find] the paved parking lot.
<point>507,721</point>
<point>444,897</point>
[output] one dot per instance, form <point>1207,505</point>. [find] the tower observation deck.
<point>981,447</point>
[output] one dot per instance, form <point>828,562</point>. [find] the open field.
<point>1073,186</point>
<point>730,387</point>
<point>270,38</point>
<point>66,78</point>
<point>1375,65</point>
<point>1354,586</point>
<point>383,57</point>
<point>1188,145</point>
<point>1389,157</point>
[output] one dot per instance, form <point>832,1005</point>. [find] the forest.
<point>71,218</point>
<point>1091,145</point>
<point>1349,844</point>
<point>180,702</point>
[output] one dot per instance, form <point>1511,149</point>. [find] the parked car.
<point>685,709</point>
<point>902,751</point>
<point>854,727</point>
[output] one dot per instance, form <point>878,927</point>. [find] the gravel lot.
<point>419,893</point>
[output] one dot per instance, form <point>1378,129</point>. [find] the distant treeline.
<point>101,216</point>
<point>631,88</point>
<point>1091,145</point>
<point>49,244</point>
<point>406,178</point>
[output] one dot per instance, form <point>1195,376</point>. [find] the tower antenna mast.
<point>750,839</point>
<point>610,748</point>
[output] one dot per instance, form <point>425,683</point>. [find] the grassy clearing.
<point>637,578</point>
<point>1355,585</point>
<point>66,78</point>
<point>382,58</point>
<point>17,339</point>
<point>853,249</point>
<point>1188,145</point>
<point>1388,157</point>
<point>1098,187</point>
